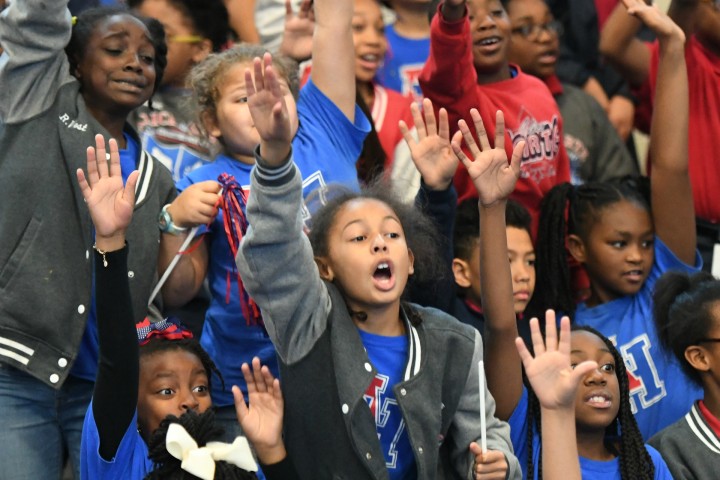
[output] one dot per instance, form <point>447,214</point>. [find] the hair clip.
<point>74,20</point>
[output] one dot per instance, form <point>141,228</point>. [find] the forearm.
<point>333,53</point>
<point>505,377</point>
<point>116,385</point>
<point>619,46</point>
<point>187,275</point>
<point>560,457</point>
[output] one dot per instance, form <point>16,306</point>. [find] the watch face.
<point>163,221</point>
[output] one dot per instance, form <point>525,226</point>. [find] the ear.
<point>202,50</point>
<point>697,357</point>
<point>326,271</point>
<point>210,123</point>
<point>576,247</point>
<point>411,257</point>
<point>461,271</point>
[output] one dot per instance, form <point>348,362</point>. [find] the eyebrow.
<point>360,220</point>
<point>124,34</point>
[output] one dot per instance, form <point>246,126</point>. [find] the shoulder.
<point>437,322</point>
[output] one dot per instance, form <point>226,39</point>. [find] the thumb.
<point>476,450</point>
<point>581,370</point>
<point>129,192</point>
<point>240,408</point>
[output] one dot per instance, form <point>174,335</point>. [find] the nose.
<point>595,377</point>
<point>132,62</point>
<point>521,273</point>
<point>189,402</point>
<point>633,254</point>
<point>546,34</point>
<point>378,244</point>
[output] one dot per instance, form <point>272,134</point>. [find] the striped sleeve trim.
<point>269,175</point>
<point>701,430</point>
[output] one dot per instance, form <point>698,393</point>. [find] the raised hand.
<point>262,420</point>
<point>660,23</point>
<point>489,170</point>
<point>297,38</point>
<point>431,152</point>
<point>550,373</point>
<point>269,110</point>
<point>109,202</point>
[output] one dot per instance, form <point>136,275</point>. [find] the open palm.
<point>431,151</point>
<point>262,420</point>
<point>493,177</point>
<point>550,373</point>
<point>297,38</point>
<point>267,102</point>
<point>109,201</point>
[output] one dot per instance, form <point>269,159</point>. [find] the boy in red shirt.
<point>468,68</point>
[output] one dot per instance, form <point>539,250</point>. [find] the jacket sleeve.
<point>277,265</point>
<point>466,424</point>
<point>33,66</point>
<point>448,77</point>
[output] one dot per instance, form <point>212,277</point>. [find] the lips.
<point>548,58</point>
<point>634,276</point>
<point>488,45</point>
<point>383,276</point>
<point>599,399</point>
<point>370,61</point>
<point>521,295</point>
<point>131,85</point>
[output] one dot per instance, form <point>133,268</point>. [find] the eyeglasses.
<point>531,31</point>
<point>185,38</point>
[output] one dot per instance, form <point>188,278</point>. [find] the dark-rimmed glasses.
<point>531,31</point>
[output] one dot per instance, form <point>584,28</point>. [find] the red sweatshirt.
<point>531,114</point>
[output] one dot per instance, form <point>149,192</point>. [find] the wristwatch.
<point>165,223</point>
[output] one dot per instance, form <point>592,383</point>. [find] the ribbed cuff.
<point>270,175</point>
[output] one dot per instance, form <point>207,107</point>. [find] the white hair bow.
<point>201,461</point>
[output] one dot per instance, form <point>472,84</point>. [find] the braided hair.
<point>683,314</point>
<point>622,436</point>
<point>85,25</point>
<point>202,428</point>
<point>567,209</point>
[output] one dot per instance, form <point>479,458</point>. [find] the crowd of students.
<point>358,210</point>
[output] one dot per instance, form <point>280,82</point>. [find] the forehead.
<point>587,343</point>
<point>624,216</point>
<point>365,209</point>
<point>536,9</point>
<point>166,12</point>
<point>121,25</point>
<point>180,362</point>
<point>518,239</point>
<point>367,7</point>
<point>476,6</point>
<point>233,77</point>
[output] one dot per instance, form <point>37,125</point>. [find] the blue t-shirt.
<point>660,393</point>
<point>589,469</point>
<point>389,355</point>
<point>325,149</point>
<point>403,63</point>
<point>131,460</point>
<point>85,365</point>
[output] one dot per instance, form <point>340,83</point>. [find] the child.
<point>392,389</point>
<point>328,131</point>
<point>638,62</point>
<point>468,68</point>
<point>168,128</point>
<point>387,107</point>
<point>624,248</point>
<point>139,389</point>
<point>595,150</point>
<point>62,84</point>
<point>686,309</point>
<point>408,47</point>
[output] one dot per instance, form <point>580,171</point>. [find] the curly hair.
<point>683,311</point>
<point>206,77</point>
<point>623,432</point>
<point>88,20</point>
<point>420,233</point>
<point>202,428</point>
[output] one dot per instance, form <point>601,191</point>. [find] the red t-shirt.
<point>531,114</point>
<point>703,69</point>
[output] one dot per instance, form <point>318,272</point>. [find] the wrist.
<point>168,221</point>
<point>270,454</point>
<point>274,154</point>
<point>111,243</point>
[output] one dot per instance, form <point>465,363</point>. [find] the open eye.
<point>608,368</point>
<point>618,244</point>
<point>358,238</point>
<point>165,391</point>
<point>393,235</point>
<point>201,389</point>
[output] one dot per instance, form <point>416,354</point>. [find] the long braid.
<point>635,461</point>
<point>551,263</point>
<point>533,425</point>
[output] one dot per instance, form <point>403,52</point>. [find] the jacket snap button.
<point>368,456</point>
<point>345,408</point>
<point>403,392</point>
<point>54,378</point>
<point>62,363</point>
<point>81,309</point>
<point>420,450</point>
<point>131,274</point>
<point>368,367</point>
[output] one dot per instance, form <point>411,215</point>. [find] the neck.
<point>484,78</point>
<point>367,92</point>
<point>711,398</point>
<point>246,159</point>
<point>591,445</point>
<point>114,124</point>
<point>384,321</point>
<point>412,20</point>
